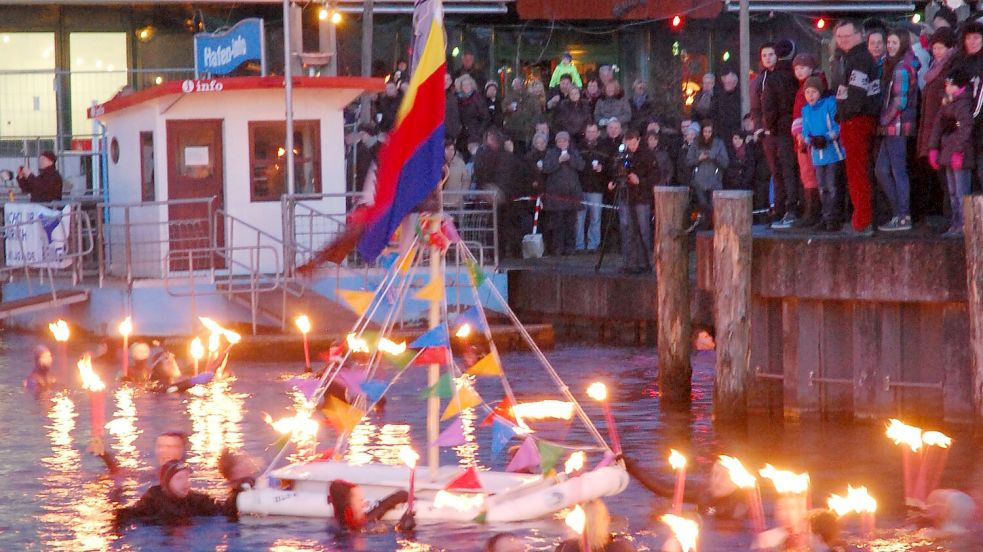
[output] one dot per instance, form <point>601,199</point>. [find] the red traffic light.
<point>821,23</point>
<point>677,22</point>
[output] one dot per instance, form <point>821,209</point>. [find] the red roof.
<point>202,86</point>
<point>617,9</point>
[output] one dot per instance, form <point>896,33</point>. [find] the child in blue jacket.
<point>821,131</point>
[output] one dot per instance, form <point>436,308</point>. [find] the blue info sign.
<point>220,53</point>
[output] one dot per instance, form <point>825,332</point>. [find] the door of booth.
<point>195,171</point>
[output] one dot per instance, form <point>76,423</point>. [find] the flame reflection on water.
<point>124,430</point>
<point>216,423</point>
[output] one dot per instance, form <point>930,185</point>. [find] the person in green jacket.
<point>565,67</point>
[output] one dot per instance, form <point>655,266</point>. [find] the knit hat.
<point>49,155</point>
<point>491,83</point>
<point>168,471</point>
<point>958,77</point>
<point>815,83</point>
<point>944,35</point>
<point>566,55</point>
<point>805,60</point>
<point>785,48</point>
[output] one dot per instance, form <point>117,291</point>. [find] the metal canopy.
<point>820,7</point>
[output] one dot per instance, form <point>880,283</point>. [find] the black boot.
<point>811,215</point>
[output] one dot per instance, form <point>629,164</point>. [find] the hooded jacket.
<point>820,120</point>
<point>899,114</point>
<point>778,88</point>
<point>932,94</point>
<point>708,174</point>
<point>953,130</point>
<point>857,89</point>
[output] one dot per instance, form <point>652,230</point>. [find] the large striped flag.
<point>411,161</point>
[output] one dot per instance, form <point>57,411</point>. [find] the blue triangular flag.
<point>473,318</point>
<point>502,433</point>
<point>436,337</point>
<point>373,389</point>
<point>388,259</point>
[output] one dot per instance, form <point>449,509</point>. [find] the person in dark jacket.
<point>173,501</point>
<point>473,112</point>
<point>562,165</point>
<point>725,107</point>
<point>642,109</point>
<point>760,179</point>
<point>950,146</point>
<point>40,379</point>
<point>777,101</point>
<point>594,184</point>
<point>494,105</point>
<point>703,100</point>
<point>928,188</point>
<point>386,106</point>
<point>573,114</point>
<point>46,185</point>
<point>452,115</point>
<point>857,107</point>
<point>684,172</point>
<point>634,203</point>
<point>496,167</point>
<point>970,60</point>
<point>708,160</point>
<point>663,169</point>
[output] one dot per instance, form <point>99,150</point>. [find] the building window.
<point>147,190</point>
<point>98,63</point>
<point>267,159</point>
<point>27,95</point>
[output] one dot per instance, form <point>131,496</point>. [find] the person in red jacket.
<point>805,66</point>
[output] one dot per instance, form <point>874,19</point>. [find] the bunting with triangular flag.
<point>388,260</point>
<point>502,433</point>
<point>351,379</point>
<point>467,481</point>
<point>432,355</point>
<point>548,455</point>
<point>358,301</point>
<point>487,366</point>
<point>444,388</point>
<point>525,458</point>
<point>502,410</point>
<point>435,337</point>
<point>307,386</point>
<point>401,360</point>
<point>407,261</point>
<point>477,275</point>
<point>433,291</point>
<point>450,231</point>
<point>452,436</point>
<point>342,415</point>
<point>465,398</point>
<point>373,389</point>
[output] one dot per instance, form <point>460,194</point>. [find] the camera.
<point>622,166</point>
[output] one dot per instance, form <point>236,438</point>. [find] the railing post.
<point>127,254</point>
<point>494,210</point>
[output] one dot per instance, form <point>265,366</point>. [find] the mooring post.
<point>973,237</point>
<point>732,303</point>
<point>671,256</point>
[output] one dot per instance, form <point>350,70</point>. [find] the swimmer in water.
<point>40,378</point>
<point>348,502</point>
<point>173,501</point>
<point>598,528</point>
<point>139,371</point>
<point>165,371</point>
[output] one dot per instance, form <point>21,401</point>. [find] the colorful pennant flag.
<point>388,260</point>
<point>358,301</point>
<point>307,386</point>
<point>477,275</point>
<point>525,458</point>
<point>487,366</point>
<point>373,389</point>
<point>467,481</point>
<point>502,410</point>
<point>436,337</point>
<point>548,455</point>
<point>343,416</point>
<point>452,436</point>
<point>502,433</point>
<point>444,388</point>
<point>433,291</point>
<point>465,398</point>
<point>606,461</point>
<point>432,355</point>
<point>407,262</point>
<point>402,360</point>
<point>351,379</point>
<point>450,231</point>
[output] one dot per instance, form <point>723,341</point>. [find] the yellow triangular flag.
<point>434,291</point>
<point>465,398</point>
<point>487,366</point>
<point>404,265</point>
<point>343,416</point>
<point>358,301</point>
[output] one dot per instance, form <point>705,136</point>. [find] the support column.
<point>368,7</point>
<point>732,303</point>
<point>671,256</point>
<point>973,232</point>
<point>744,24</point>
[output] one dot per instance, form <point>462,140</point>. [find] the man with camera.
<point>631,179</point>
<point>44,187</point>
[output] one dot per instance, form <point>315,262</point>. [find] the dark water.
<point>54,496</point>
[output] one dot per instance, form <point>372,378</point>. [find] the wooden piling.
<point>973,236</point>
<point>732,303</point>
<point>671,254</point>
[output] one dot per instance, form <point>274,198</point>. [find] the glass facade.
<point>99,71</point>
<point>28,105</point>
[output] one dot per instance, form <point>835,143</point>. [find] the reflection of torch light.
<point>577,520</point>
<point>859,501</point>
<point>744,480</point>
<point>599,392</point>
<point>59,329</point>
<point>911,438</point>
<point>197,351</point>
<point>678,462</point>
<point>409,457</point>
<point>92,383</point>
<point>304,325</point>
<point>685,531</point>
<point>125,328</point>
<point>575,463</point>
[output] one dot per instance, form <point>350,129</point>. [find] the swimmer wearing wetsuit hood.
<point>173,501</point>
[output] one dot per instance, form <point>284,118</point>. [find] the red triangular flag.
<point>431,355</point>
<point>468,480</point>
<point>503,410</point>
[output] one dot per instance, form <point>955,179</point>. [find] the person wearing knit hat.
<point>806,59</point>
<point>816,83</point>
<point>820,134</point>
<point>806,67</point>
<point>44,187</point>
<point>173,501</point>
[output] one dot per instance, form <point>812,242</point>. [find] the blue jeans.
<point>957,183</point>
<point>635,220</point>
<point>594,230</point>
<point>892,174</point>
<point>828,191</point>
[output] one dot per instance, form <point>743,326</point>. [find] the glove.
<point>957,161</point>
<point>818,142</point>
<point>933,158</point>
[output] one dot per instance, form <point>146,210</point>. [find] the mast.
<point>433,373</point>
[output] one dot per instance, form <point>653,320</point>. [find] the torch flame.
<point>303,323</point>
<point>786,481</point>
<point>459,502</point>
<point>408,456</point>
<point>901,433</point>
<point>60,330</point>
<point>576,519</point>
<point>300,427</point>
<point>213,342</point>
<point>676,460</point>
<point>357,344</point>
<point>856,500</point>
<point>542,410</point>
<point>197,349</point>
<point>936,439</point>
<point>391,347</point>
<point>597,391</point>
<point>575,462</point>
<point>214,327</point>
<point>464,331</point>
<point>685,531</point>
<point>126,326</point>
<point>738,473</point>
<point>90,380</point>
